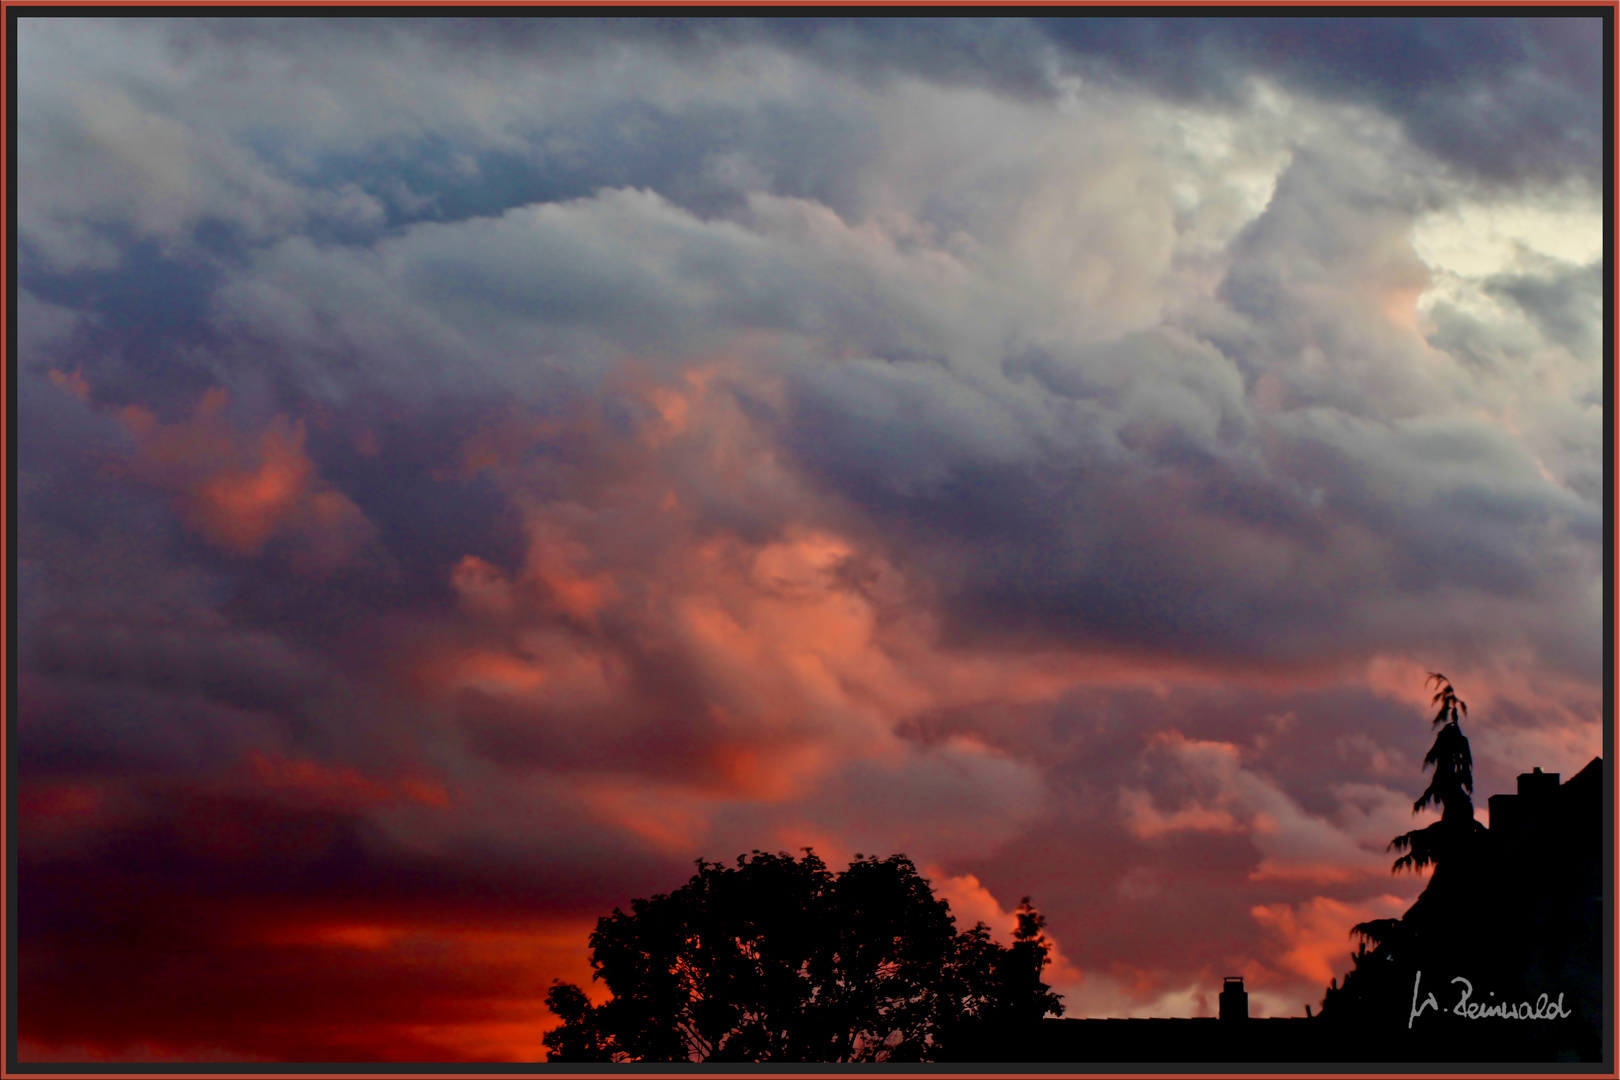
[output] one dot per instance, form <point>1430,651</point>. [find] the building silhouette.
<point>1517,912</point>
<point>1515,915</point>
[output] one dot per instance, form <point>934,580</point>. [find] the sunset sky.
<point>469,469</point>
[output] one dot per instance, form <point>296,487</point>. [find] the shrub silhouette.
<point>779,959</point>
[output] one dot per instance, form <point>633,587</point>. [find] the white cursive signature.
<point>1543,1009</point>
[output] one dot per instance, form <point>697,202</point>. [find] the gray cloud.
<point>1564,301</point>
<point>1111,491</point>
<point>1504,100</point>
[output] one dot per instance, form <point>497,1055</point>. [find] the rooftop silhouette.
<point>1506,939</point>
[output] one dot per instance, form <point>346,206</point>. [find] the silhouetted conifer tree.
<point>1451,788</point>
<point>1383,974</point>
<point>1512,914</point>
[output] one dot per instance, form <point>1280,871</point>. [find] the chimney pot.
<point>1234,999</point>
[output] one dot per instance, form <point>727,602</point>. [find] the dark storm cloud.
<point>147,293</point>
<point>1133,515</point>
<point>1503,99</point>
<point>1001,53</point>
<point>93,549</point>
<point>124,619</point>
<point>383,161</point>
<point>703,158</point>
<point>1091,513</point>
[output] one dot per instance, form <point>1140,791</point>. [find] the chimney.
<point>1234,999</point>
<point>1509,813</point>
<point>1537,784</point>
<point>1504,813</point>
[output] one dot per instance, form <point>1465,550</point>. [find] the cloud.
<point>971,903</point>
<point>1192,418</point>
<point>312,783</point>
<point>1312,938</point>
<point>100,163</point>
<point>1506,100</point>
<point>1228,798</point>
<point>42,325</point>
<point>240,493</point>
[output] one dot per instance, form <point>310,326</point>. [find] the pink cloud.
<point>239,490</point>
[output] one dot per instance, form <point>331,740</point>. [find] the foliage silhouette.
<point>1450,840</point>
<point>780,959</point>
<point>1514,911</point>
<point>1451,789</point>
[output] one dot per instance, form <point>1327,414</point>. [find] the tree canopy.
<point>780,959</point>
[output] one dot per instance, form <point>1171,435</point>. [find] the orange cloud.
<point>539,665</point>
<point>773,773</point>
<point>1312,940</point>
<point>803,645</point>
<point>1147,821</point>
<point>804,642</point>
<point>495,672</point>
<point>972,903</point>
<point>338,786</point>
<point>667,818</point>
<point>237,490</point>
<point>559,562</point>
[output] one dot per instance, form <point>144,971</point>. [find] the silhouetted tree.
<point>1383,974</point>
<point>1451,788</point>
<point>1514,910</point>
<point>577,1039</point>
<point>1374,983</point>
<point>778,959</point>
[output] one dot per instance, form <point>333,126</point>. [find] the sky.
<point>469,469</point>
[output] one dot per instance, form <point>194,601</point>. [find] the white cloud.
<point>1475,239</point>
